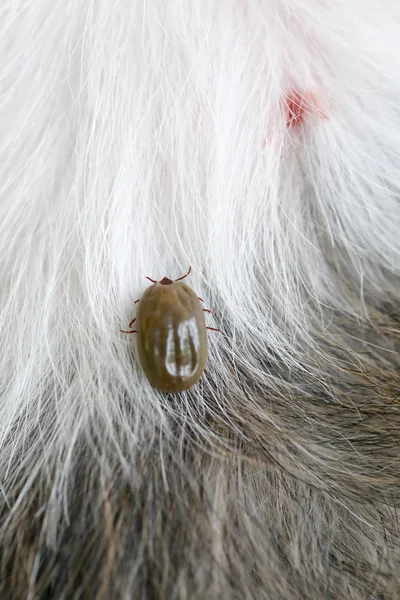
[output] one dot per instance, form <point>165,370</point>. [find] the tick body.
<point>172,335</point>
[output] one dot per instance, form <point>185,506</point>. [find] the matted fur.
<point>139,138</point>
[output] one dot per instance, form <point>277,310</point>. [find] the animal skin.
<point>257,141</point>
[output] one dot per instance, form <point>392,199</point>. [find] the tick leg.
<point>132,322</point>
<point>201,299</point>
<point>183,277</point>
<point>136,301</point>
<point>150,279</point>
<point>134,331</point>
<point>213,328</point>
<point>206,310</point>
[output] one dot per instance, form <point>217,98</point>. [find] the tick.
<point>172,334</point>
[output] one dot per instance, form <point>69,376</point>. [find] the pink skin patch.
<point>296,107</point>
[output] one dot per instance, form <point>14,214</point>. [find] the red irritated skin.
<point>172,335</point>
<point>297,106</point>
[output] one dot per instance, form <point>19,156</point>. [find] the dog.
<point>258,143</point>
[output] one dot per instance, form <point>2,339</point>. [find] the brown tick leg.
<point>132,322</point>
<point>134,331</point>
<point>183,277</point>
<point>136,301</point>
<point>150,279</point>
<point>201,299</point>
<point>206,310</point>
<point>213,328</point>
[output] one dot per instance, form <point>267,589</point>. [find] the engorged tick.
<point>172,335</point>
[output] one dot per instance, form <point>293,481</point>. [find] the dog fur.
<point>257,141</point>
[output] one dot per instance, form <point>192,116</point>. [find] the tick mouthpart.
<point>165,281</point>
